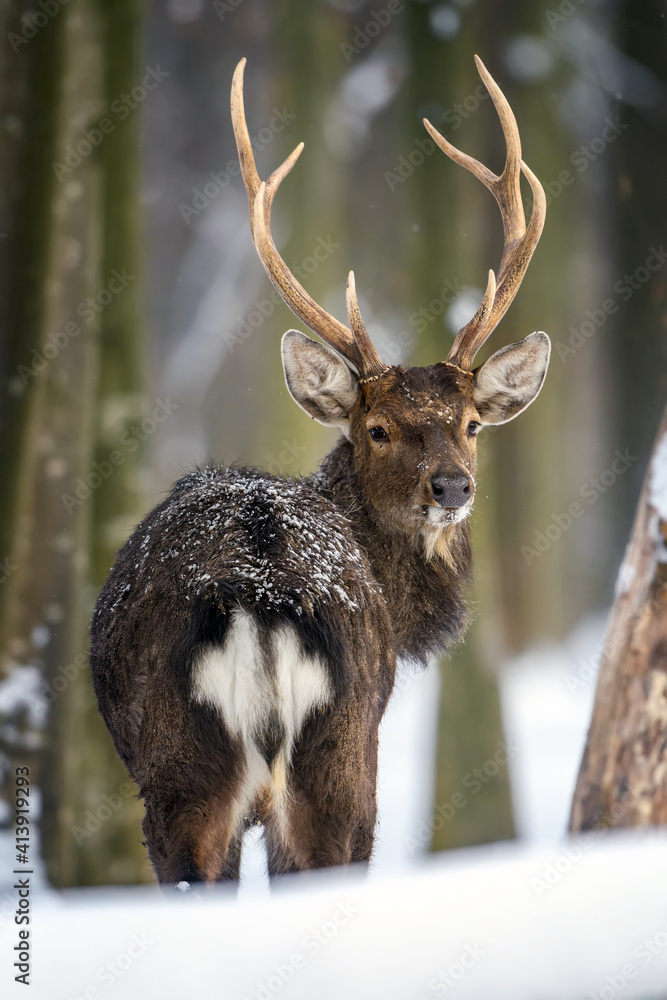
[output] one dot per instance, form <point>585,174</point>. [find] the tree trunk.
<point>623,775</point>
<point>114,853</point>
<point>71,225</point>
<point>57,235</point>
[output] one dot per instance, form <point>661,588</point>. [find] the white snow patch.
<point>547,698</point>
<point>658,479</point>
<point>463,308</point>
<point>406,767</point>
<point>625,579</point>
<point>21,689</point>
<point>336,934</point>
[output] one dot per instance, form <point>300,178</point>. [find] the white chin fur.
<point>439,517</point>
<point>437,532</point>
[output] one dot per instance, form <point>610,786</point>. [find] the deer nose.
<point>453,492</point>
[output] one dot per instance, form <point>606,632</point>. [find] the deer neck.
<point>424,595</point>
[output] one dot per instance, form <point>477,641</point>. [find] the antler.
<point>354,344</point>
<point>520,241</point>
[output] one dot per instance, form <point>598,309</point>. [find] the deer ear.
<point>318,379</point>
<point>510,380</point>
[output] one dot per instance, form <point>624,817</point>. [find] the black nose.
<point>451,492</point>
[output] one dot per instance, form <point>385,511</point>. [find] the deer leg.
<point>317,838</point>
<point>280,858</point>
<point>193,841</point>
<point>327,816</point>
<point>231,868</point>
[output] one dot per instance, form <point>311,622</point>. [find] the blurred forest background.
<point>138,336</point>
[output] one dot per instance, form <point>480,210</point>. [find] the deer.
<point>244,646</point>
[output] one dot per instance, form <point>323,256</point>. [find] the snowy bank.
<point>512,922</point>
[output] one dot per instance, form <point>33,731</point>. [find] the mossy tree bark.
<point>122,423</point>
<point>62,355</point>
<point>45,609</point>
<point>31,69</point>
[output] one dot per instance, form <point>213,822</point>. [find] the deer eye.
<point>473,427</point>
<point>378,434</point>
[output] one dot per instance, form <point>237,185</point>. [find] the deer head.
<point>413,431</point>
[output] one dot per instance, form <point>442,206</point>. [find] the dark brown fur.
<point>228,538</point>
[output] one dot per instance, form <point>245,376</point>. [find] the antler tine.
<point>355,345</point>
<point>517,256</point>
<point>474,327</point>
<point>373,365</point>
<point>353,311</point>
<point>249,173</point>
<point>519,241</point>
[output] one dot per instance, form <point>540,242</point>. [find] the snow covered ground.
<point>508,923</point>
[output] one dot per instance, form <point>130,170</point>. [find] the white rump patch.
<point>248,684</point>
